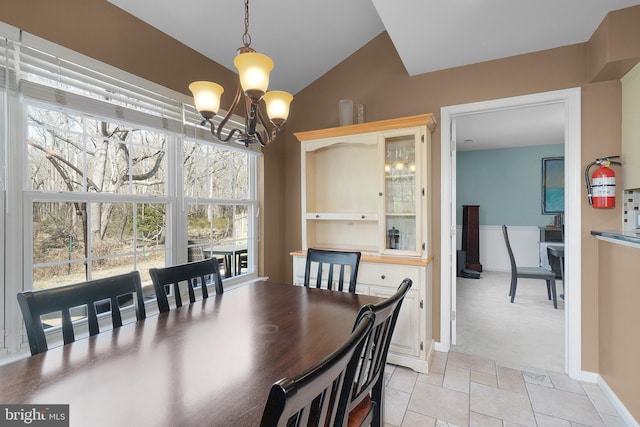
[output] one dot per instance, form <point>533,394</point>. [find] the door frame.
<point>571,98</point>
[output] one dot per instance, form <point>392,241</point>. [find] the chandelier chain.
<point>246,37</point>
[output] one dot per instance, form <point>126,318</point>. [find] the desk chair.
<point>332,259</point>
<point>529,273</point>
<point>115,290</point>
<point>193,273</point>
<point>317,397</point>
<point>365,404</point>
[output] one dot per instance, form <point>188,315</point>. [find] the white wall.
<point>493,251</point>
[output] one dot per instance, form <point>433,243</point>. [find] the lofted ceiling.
<point>308,38</point>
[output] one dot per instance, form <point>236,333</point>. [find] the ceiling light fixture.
<point>253,72</point>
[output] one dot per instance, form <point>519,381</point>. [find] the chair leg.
<point>512,291</point>
<point>377,395</point>
<point>549,290</point>
<point>552,284</point>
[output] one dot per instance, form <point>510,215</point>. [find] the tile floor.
<point>475,391</point>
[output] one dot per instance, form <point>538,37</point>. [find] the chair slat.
<point>373,357</point>
<point>332,259</point>
<point>35,304</point>
<point>318,396</point>
<point>188,273</point>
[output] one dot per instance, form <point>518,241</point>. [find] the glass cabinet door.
<point>401,201</point>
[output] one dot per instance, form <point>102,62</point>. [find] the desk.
<point>210,363</point>
<point>232,257</point>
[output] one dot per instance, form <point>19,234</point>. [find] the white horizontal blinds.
<point>54,80</point>
<point>91,88</point>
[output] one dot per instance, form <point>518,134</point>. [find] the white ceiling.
<point>308,38</point>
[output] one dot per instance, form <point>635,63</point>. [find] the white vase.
<point>345,108</point>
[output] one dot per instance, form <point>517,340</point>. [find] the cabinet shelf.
<point>366,188</point>
<point>331,216</point>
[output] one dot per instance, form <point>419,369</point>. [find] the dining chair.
<point>333,259</point>
<point>365,403</point>
<point>529,273</point>
<point>317,396</point>
<point>195,274</point>
<point>114,289</point>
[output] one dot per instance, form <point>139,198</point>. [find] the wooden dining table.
<point>210,363</point>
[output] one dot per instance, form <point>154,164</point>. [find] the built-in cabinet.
<point>631,129</point>
<point>366,188</point>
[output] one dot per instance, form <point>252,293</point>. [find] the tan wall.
<point>374,76</point>
<point>619,294</point>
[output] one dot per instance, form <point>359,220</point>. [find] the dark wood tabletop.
<point>211,363</point>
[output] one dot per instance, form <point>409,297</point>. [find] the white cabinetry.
<point>365,188</point>
<point>631,129</point>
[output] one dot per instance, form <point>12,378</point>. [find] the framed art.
<point>552,185</point>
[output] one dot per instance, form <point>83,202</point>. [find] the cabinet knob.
<point>380,193</point>
<point>362,217</point>
<point>317,216</point>
<point>383,277</point>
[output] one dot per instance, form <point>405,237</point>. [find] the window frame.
<point>16,231</point>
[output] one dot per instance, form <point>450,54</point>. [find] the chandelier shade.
<point>277,103</point>
<point>253,69</point>
<point>253,74</point>
<point>206,96</point>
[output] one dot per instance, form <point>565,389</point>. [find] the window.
<point>110,174</point>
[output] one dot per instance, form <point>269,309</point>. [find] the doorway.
<point>570,100</point>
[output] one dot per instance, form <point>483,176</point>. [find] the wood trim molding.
<point>382,125</point>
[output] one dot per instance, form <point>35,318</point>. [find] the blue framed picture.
<point>552,185</point>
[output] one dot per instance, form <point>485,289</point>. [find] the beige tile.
<point>510,424</point>
<point>542,379</point>
<point>599,400</point>
<point>510,379</point>
<point>503,404</point>
<point>563,382</point>
<point>431,378</point>
<point>438,362</point>
<point>403,379</point>
<point>564,405</point>
<point>440,423</point>
<point>612,421</point>
<point>457,379</point>
<point>414,419</point>
<point>395,405</point>
<point>474,363</point>
<point>480,420</point>
<point>486,379</point>
<point>440,403</point>
<point>547,421</point>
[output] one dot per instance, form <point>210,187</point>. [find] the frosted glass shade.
<point>253,69</point>
<point>277,103</point>
<point>206,96</point>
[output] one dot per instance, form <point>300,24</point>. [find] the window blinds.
<point>50,74</point>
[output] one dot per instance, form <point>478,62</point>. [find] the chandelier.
<point>253,71</point>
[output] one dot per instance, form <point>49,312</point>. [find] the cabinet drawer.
<point>388,275</point>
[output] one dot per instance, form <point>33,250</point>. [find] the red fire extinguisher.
<point>602,188</point>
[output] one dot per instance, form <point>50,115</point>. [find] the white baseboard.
<point>617,404</point>
<point>589,377</point>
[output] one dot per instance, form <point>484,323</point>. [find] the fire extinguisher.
<point>601,190</point>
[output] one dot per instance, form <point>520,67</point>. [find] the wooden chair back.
<point>369,379</point>
<point>195,274</point>
<point>110,293</point>
<point>332,259</point>
<point>317,397</point>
